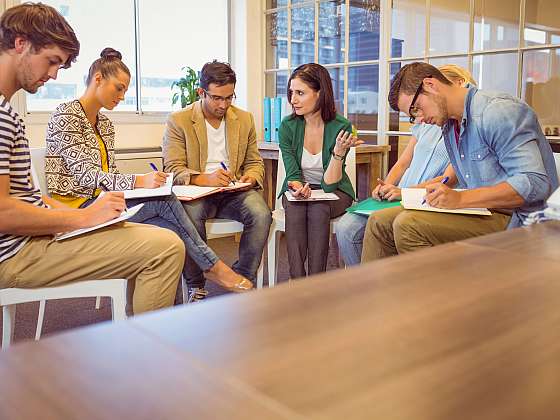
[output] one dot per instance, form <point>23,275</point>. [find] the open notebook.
<point>127,214</point>
<point>412,200</point>
<point>316,195</point>
<point>151,192</point>
<point>192,192</point>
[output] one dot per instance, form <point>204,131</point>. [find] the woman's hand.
<point>344,141</point>
<point>151,180</point>
<point>299,190</point>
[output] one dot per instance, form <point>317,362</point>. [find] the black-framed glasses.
<point>217,98</point>
<point>412,109</point>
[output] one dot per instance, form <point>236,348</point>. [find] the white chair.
<point>113,288</point>
<point>278,226</point>
<point>217,228</point>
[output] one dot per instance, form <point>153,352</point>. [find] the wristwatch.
<point>336,157</point>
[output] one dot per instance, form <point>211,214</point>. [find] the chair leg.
<point>260,274</point>
<point>98,302</point>
<point>118,305</point>
<point>273,248</point>
<point>40,319</point>
<point>184,290</point>
<point>8,323</point>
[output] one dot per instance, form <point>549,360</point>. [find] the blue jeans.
<point>248,208</point>
<point>167,212</point>
<point>350,237</point>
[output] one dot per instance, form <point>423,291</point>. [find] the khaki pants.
<point>150,258</point>
<point>395,230</point>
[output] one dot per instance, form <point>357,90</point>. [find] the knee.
<point>349,226</point>
<point>406,227</point>
<point>169,243</point>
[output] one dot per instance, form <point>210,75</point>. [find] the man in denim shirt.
<point>497,150</point>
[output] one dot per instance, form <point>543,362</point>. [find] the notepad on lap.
<point>370,205</point>
<point>127,214</point>
<point>192,192</point>
<point>316,195</point>
<point>151,192</point>
<point>412,200</point>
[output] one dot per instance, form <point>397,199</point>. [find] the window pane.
<point>164,41</point>
<point>363,96</point>
<point>277,40</point>
<point>541,86</point>
<point>303,35</point>
<point>408,36</point>
<point>277,83</point>
<point>364,30</point>
<point>332,15</point>
<point>458,61</point>
<point>337,79</point>
<point>85,18</point>
<point>449,26</point>
<point>488,71</point>
<point>541,22</point>
<point>272,4</point>
<point>496,24</point>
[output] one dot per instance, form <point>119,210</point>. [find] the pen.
<point>224,167</point>
<point>154,167</point>
<point>443,181</point>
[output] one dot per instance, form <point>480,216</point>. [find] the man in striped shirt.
<point>35,42</point>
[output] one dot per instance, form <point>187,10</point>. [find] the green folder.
<point>370,205</point>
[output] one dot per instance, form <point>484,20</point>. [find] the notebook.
<point>192,192</point>
<point>412,200</point>
<point>370,205</point>
<point>151,192</point>
<point>127,214</point>
<point>316,195</point>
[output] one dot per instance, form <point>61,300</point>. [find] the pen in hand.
<point>154,167</point>
<point>224,167</point>
<point>443,181</point>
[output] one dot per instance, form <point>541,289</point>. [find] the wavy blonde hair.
<point>455,74</point>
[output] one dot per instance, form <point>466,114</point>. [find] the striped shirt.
<point>15,161</point>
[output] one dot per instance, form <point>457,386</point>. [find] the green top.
<point>370,205</point>
<point>291,133</point>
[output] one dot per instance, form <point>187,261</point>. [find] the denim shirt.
<point>501,140</point>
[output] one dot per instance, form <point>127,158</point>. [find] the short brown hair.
<point>409,78</point>
<point>216,72</point>
<point>41,25</point>
<point>317,78</point>
<point>109,63</point>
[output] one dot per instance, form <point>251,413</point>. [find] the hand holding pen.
<point>228,173</point>
<point>384,191</point>
<point>440,195</point>
<point>299,190</point>
<point>152,179</point>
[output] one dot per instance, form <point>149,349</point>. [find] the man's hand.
<point>440,195</point>
<point>299,190</point>
<point>218,178</point>
<point>246,178</point>
<point>105,208</point>
<point>151,180</point>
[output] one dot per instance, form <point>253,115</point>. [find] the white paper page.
<point>151,192</point>
<point>412,199</point>
<point>192,191</point>
<point>127,214</point>
<point>237,185</point>
<point>316,195</point>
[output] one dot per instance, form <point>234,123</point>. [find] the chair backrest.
<point>38,169</point>
<point>281,173</point>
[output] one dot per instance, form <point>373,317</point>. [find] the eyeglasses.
<point>217,98</point>
<point>412,109</point>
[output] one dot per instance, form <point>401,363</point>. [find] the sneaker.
<point>196,294</point>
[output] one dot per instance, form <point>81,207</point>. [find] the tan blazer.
<point>185,144</point>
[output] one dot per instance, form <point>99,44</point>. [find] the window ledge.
<point>40,118</point>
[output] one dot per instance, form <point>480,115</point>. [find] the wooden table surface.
<point>461,331</point>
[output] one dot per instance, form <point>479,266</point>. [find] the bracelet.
<point>337,157</point>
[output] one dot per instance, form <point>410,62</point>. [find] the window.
<point>161,49</point>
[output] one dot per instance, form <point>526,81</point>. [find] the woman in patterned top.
<point>80,162</point>
<point>423,160</point>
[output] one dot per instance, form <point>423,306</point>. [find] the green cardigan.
<point>291,133</point>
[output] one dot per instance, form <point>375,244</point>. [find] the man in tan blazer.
<point>212,143</point>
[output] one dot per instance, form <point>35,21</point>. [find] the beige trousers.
<point>395,230</point>
<point>150,258</point>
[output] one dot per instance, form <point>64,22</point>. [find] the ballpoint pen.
<point>154,167</point>
<point>443,181</point>
<point>224,167</point>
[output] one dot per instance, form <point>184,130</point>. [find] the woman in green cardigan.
<point>314,141</point>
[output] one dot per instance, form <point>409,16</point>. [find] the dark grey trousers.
<point>308,232</point>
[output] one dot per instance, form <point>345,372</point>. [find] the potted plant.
<point>186,88</point>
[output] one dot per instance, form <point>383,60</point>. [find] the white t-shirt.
<point>217,148</point>
<point>312,167</point>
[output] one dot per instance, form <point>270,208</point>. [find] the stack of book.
<point>275,109</point>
